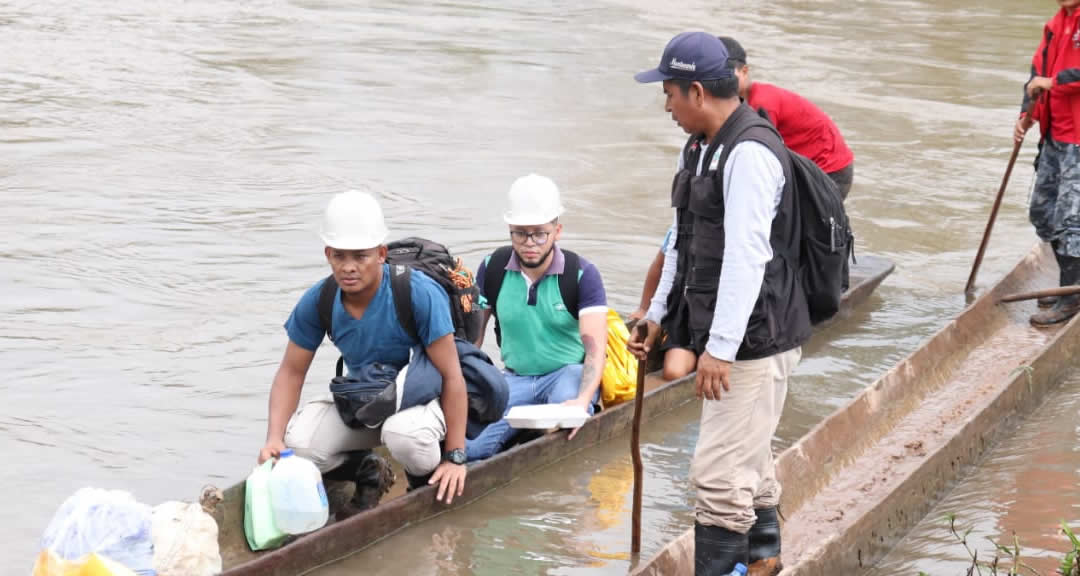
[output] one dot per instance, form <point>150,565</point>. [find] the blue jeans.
<point>552,388</point>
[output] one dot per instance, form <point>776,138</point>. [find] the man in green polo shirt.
<point>550,312</point>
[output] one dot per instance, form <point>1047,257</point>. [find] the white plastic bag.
<point>186,537</point>
<point>107,522</point>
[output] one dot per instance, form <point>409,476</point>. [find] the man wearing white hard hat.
<point>550,312</point>
<point>366,330</point>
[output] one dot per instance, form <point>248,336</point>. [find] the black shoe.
<point>417,482</point>
<point>717,550</point>
<point>764,544</point>
<point>374,478</point>
<point>358,484</point>
<point>1066,306</point>
<point>1047,302</point>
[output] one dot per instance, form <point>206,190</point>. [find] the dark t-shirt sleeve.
<point>591,292</point>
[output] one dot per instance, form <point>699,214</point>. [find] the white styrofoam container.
<point>544,416</point>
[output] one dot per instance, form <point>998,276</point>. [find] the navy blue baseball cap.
<point>690,56</point>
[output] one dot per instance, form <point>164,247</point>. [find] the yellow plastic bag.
<point>620,369</point>
<point>49,564</point>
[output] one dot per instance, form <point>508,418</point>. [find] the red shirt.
<point>803,126</point>
<point>1058,57</point>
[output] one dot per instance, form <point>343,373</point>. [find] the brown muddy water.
<point>165,163</point>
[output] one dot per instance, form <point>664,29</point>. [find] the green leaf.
<point>1072,537</point>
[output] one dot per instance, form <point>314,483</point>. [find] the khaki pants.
<point>412,436</point>
<point>733,463</point>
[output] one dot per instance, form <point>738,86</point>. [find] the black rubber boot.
<point>347,471</point>
<point>374,478</point>
<point>417,482</point>
<point>764,544</point>
<point>718,550</point>
<point>1049,301</point>
<point>1066,306</point>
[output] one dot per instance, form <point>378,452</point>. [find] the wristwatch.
<point>455,456</point>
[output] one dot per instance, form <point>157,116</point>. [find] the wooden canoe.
<point>400,509</point>
<point>861,479</point>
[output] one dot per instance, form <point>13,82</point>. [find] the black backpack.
<point>496,271</point>
<point>826,239</point>
<point>434,260</point>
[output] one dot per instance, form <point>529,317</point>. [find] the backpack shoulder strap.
<point>494,273</point>
<point>759,129</point>
<point>401,289</point>
<point>325,305</point>
<point>568,281</point>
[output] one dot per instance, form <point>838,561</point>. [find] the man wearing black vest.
<point>729,295</point>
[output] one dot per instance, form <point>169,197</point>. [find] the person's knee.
<point>300,440</point>
<point>489,442</point>
<point>676,371</point>
<point>568,386</point>
<point>418,455</point>
<point>679,365</point>
<point>414,441</point>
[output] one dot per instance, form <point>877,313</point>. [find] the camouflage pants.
<point>1055,203</point>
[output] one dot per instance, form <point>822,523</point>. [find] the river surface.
<point>164,166</point>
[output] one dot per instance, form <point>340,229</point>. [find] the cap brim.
<point>649,76</point>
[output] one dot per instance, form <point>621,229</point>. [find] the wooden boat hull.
<point>341,539</point>
<point>862,478</point>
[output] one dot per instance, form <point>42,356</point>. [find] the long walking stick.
<point>635,451</point>
<point>993,216</point>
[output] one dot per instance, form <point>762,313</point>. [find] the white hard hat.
<point>353,221</point>
<point>534,200</point>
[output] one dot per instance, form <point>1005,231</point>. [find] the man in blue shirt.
<point>366,330</point>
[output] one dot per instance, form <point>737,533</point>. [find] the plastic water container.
<point>740,570</point>
<point>259,511</point>
<point>297,495</point>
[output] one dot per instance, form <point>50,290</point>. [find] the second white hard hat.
<point>353,221</point>
<point>534,200</point>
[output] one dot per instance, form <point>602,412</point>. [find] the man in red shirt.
<point>803,126</point>
<point>1052,98</point>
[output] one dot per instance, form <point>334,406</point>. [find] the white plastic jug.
<point>297,495</point>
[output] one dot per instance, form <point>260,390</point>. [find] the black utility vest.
<point>780,320</point>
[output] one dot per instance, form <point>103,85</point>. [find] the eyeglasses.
<point>539,237</point>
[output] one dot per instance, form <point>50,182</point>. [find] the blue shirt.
<point>667,239</point>
<point>378,335</point>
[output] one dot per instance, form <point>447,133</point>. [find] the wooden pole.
<point>993,216</point>
<point>635,451</point>
<point>1059,291</point>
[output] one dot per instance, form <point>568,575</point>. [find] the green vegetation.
<point>1007,560</point>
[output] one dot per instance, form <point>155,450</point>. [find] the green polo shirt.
<point>539,335</point>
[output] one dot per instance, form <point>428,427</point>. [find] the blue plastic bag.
<point>109,522</point>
